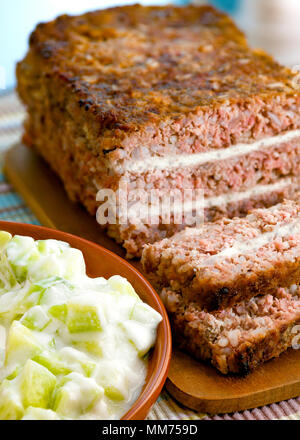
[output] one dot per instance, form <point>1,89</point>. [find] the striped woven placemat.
<point>13,208</point>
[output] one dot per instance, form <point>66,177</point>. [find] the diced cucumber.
<point>53,362</point>
<point>50,246</point>
<point>77,395</point>
<point>77,361</point>
<point>114,393</point>
<point>74,264</point>
<point>113,380</point>
<point>53,281</point>
<point>59,312</point>
<point>14,373</point>
<point>143,338</point>
<point>8,279</point>
<point>37,385</point>
<point>21,344</point>
<point>92,347</point>
<point>11,407</point>
<point>10,305</point>
<point>32,413</point>
<point>145,315</point>
<point>88,367</point>
<point>56,294</point>
<point>5,238</point>
<point>36,319</point>
<point>122,286</point>
<point>72,343</point>
<point>21,253</point>
<point>47,266</point>
<point>33,296</point>
<point>83,318</point>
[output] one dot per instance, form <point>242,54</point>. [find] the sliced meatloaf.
<point>221,263</point>
<point>240,338</point>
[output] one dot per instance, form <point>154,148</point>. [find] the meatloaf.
<point>239,338</point>
<point>161,98</point>
<point>218,264</point>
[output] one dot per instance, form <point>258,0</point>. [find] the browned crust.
<point>153,71</point>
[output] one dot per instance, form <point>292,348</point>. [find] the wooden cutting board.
<point>194,384</point>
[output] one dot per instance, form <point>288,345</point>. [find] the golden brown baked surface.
<point>133,64</point>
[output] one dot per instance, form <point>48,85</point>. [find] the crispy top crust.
<point>135,64</point>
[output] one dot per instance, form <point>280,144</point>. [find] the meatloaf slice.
<point>237,339</point>
<point>221,263</point>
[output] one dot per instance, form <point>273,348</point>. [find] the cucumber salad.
<point>71,347</point>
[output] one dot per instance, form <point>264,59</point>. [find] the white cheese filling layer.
<point>174,161</point>
<point>246,247</point>
<point>140,211</point>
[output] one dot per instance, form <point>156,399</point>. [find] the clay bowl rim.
<point>163,348</point>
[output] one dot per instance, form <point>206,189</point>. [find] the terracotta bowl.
<point>101,262</point>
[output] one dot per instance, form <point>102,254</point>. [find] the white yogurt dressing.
<point>71,347</point>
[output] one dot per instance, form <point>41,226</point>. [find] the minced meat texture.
<point>236,339</point>
<point>221,263</point>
